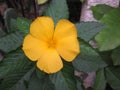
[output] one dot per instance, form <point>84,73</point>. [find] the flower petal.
<point>42,28</point>
<point>50,62</point>
<point>68,48</point>
<point>33,47</point>
<point>64,28</point>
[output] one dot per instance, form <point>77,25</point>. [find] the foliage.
<point>111,34</point>
<point>17,72</point>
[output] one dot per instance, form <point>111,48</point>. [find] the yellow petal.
<point>68,48</point>
<point>50,62</point>
<point>64,28</point>
<point>33,47</point>
<point>42,28</point>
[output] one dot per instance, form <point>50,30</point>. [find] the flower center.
<point>51,43</point>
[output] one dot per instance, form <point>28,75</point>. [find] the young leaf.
<point>23,24</point>
<point>100,10</point>
<point>87,30</point>
<point>36,83</point>
<point>57,10</point>
<point>13,68</point>
<point>88,60</point>
<point>64,79</point>
<point>116,56</point>
<point>42,1</point>
<point>113,77</point>
<point>11,42</point>
<point>109,37</point>
<point>100,82</point>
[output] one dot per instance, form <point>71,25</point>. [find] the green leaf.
<point>109,37</point>
<point>88,60</point>
<point>13,25</point>
<point>100,10</point>
<point>100,82</point>
<point>36,83</point>
<point>113,77</point>
<point>11,41</point>
<point>9,15</point>
<point>116,56</point>
<point>40,74</point>
<point>87,30</point>
<point>2,33</point>
<point>79,83</point>
<point>22,84</point>
<point>82,1</point>
<point>13,68</point>
<point>57,10</point>
<point>24,24</point>
<point>64,79</point>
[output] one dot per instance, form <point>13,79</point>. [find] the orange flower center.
<point>51,43</point>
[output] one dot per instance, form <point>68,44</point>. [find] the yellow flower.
<point>46,45</point>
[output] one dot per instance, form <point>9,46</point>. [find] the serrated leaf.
<point>88,60</point>
<point>64,79</point>
<point>23,24</point>
<point>36,83</point>
<point>57,10</point>
<point>13,68</point>
<point>11,41</point>
<point>116,56</point>
<point>100,10</point>
<point>10,14</point>
<point>109,37</point>
<point>87,30</point>
<point>113,77</point>
<point>100,82</point>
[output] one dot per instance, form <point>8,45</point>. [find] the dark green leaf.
<point>116,56</point>
<point>9,15</point>
<point>64,79</point>
<point>57,10</point>
<point>22,84</point>
<point>36,83</point>
<point>24,24</point>
<point>88,60</point>
<point>109,37</point>
<point>113,77</point>
<point>79,83</point>
<point>11,42</point>
<point>13,68</point>
<point>100,10</point>
<point>2,33</point>
<point>40,74</point>
<point>100,82</point>
<point>82,1</point>
<point>13,25</point>
<point>87,30</point>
